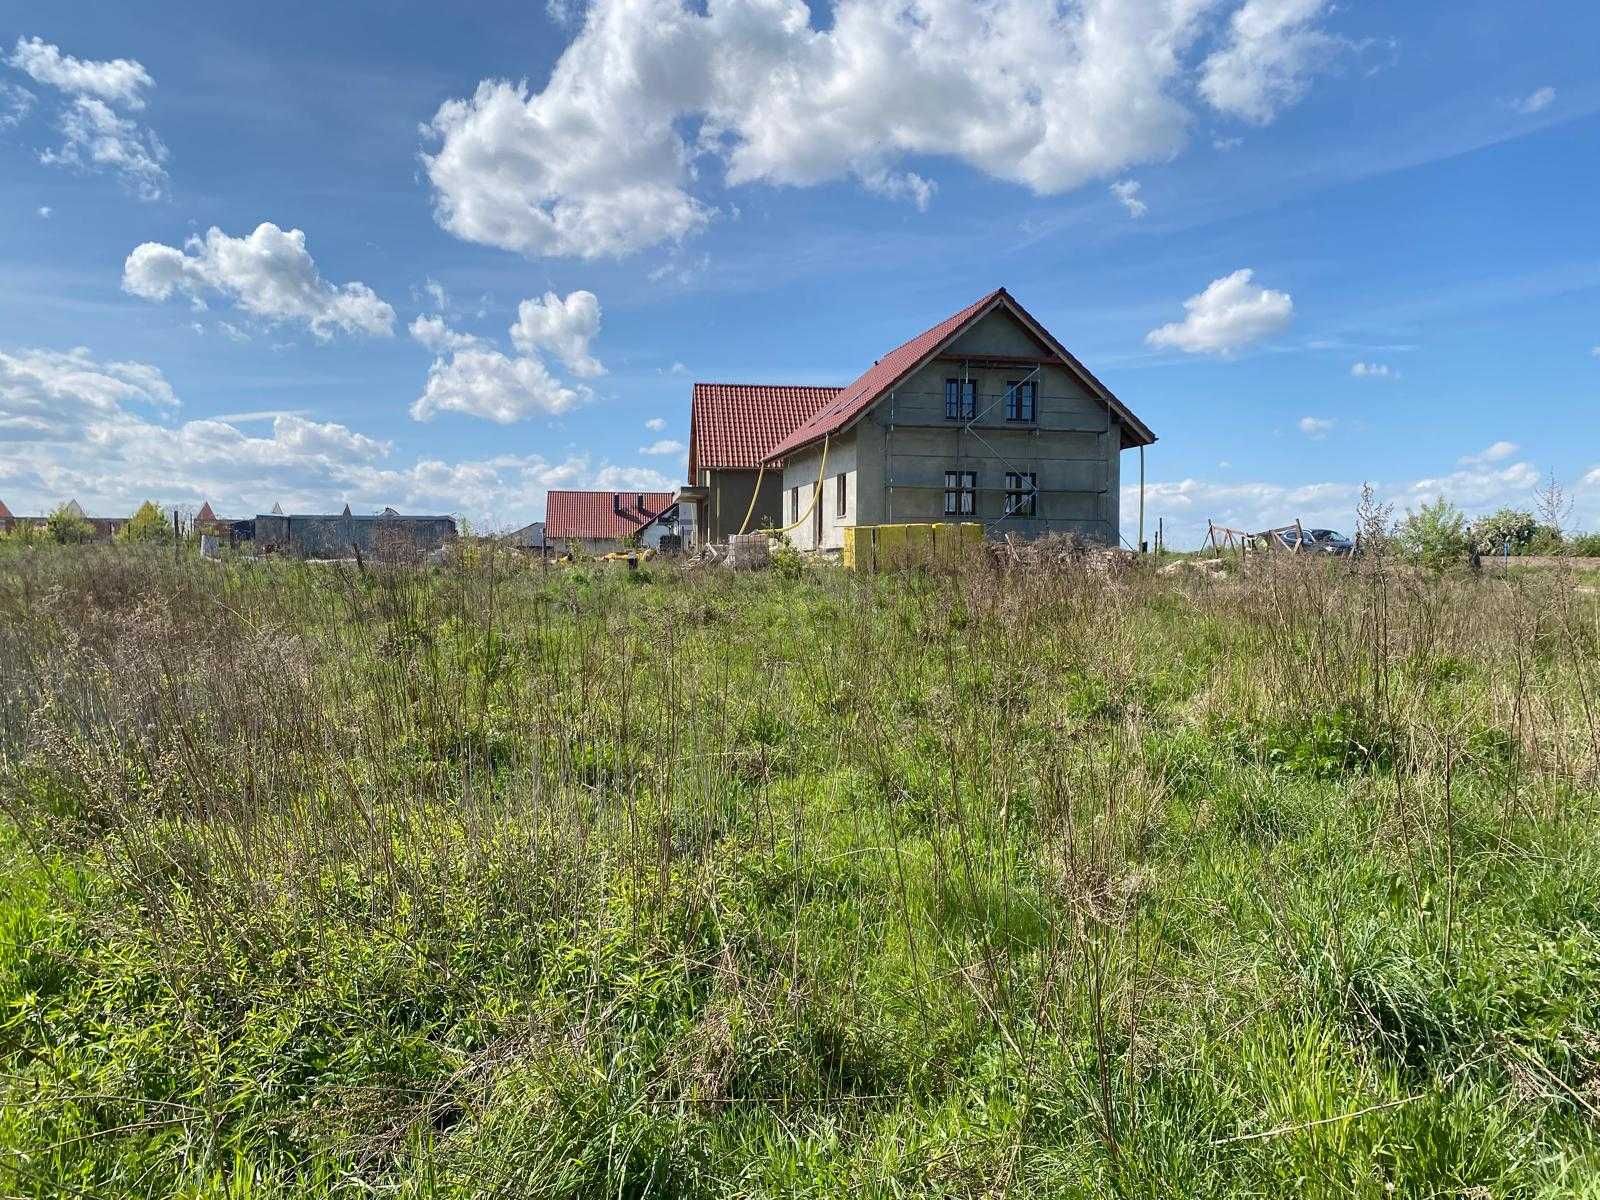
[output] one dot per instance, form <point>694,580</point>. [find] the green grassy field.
<point>490,882</point>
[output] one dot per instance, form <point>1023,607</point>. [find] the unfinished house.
<point>985,418</point>
<point>600,522</point>
<point>732,427</point>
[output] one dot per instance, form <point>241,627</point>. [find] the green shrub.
<point>146,525</point>
<point>1435,535</point>
<point>66,528</point>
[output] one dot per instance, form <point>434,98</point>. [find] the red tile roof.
<point>902,360</point>
<point>733,425</point>
<point>595,515</point>
<point>5,513</point>
<point>205,513</point>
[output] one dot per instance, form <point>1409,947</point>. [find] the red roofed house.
<point>6,519</point>
<point>601,522</point>
<point>985,417</point>
<point>732,426</point>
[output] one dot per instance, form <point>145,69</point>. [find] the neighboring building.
<point>342,535</point>
<point>732,427</point>
<point>601,522</point>
<point>529,537</point>
<point>985,417</point>
<point>105,528</point>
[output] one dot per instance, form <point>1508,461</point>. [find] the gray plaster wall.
<point>728,499</point>
<point>901,449</point>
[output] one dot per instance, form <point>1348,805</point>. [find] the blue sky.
<point>463,257</point>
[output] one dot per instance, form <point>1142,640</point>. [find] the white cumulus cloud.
<point>483,382</point>
<point>1367,370</point>
<point>663,446</point>
<point>1126,192</point>
<point>119,80</point>
<point>94,136</point>
<point>1231,313</point>
<point>1272,51</point>
<point>268,274</point>
<point>565,327</point>
<point>1496,452</point>
<point>604,159</point>
<point>48,395</point>
<point>1315,428</point>
<point>655,424</point>
<point>437,336</point>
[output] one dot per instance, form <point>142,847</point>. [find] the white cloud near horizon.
<point>1232,312</point>
<point>1186,505</point>
<point>73,426</point>
<point>604,159</point>
<point>268,274</point>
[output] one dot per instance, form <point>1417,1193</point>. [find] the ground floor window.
<point>1022,494</point>
<point>843,496</point>
<point>794,504</point>
<point>960,493</point>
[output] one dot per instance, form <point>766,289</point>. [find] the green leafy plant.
<point>146,525</point>
<point>66,527</point>
<point>1435,535</point>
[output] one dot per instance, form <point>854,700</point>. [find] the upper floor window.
<point>960,399</point>
<point>1022,401</point>
<point>960,493</point>
<point>1022,494</point>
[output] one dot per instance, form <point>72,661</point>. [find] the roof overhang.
<point>1134,431</point>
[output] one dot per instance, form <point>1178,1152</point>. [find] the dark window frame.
<point>794,503</point>
<point>960,493</point>
<point>1018,391</point>
<point>842,501</point>
<point>1022,493</point>
<point>960,399</point>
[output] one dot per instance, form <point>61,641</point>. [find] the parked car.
<point>1314,541</point>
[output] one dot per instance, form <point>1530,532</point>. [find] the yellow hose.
<point>816,492</point>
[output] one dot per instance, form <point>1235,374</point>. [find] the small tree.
<point>1507,527</point>
<point>66,527</point>
<point>1374,522</point>
<point>1554,505</point>
<point>1435,535</point>
<point>148,524</point>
